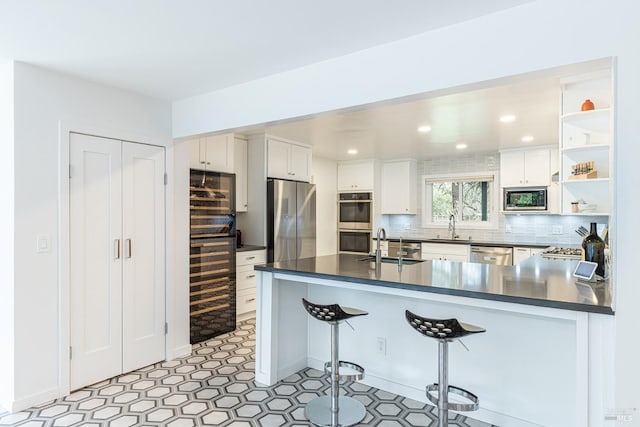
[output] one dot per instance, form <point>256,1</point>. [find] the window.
<point>471,198</point>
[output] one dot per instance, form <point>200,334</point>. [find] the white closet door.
<point>143,289</point>
<point>95,267</point>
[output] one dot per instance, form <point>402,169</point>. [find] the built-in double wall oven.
<point>355,222</point>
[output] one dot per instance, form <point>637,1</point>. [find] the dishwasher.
<point>491,255</point>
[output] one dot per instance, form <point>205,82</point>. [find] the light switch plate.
<point>556,229</point>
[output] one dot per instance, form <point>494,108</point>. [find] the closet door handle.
<point>116,247</point>
<point>128,241</point>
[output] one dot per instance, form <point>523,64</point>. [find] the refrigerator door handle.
<point>116,247</point>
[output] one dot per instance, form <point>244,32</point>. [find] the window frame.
<point>427,200</point>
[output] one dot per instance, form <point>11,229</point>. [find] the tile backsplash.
<point>524,228</point>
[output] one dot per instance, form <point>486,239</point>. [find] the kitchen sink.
<point>392,260</point>
<point>447,240</point>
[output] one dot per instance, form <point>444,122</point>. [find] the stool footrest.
<point>455,390</point>
<point>346,377</point>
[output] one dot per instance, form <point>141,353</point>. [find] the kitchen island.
<point>540,362</point>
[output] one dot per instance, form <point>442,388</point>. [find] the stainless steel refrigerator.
<point>291,220</point>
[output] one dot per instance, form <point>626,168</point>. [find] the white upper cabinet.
<point>212,153</point>
<point>288,160</point>
<point>525,168</point>
<point>240,169</point>
<point>300,162</point>
<point>399,187</point>
<point>356,176</point>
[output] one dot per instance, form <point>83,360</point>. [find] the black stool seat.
<point>331,312</point>
<point>445,330</point>
<point>448,329</point>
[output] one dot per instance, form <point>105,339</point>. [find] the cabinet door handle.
<point>251,300</point>
<point>116,246</point>
<point>128,241</point>
<point>251,276</point>
<point>250,257</point>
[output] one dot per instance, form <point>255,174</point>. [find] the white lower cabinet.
<point>246,279</point>
<point>445,252</point>
<point>520,253</point>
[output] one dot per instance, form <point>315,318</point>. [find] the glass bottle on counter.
<point>593,247</point>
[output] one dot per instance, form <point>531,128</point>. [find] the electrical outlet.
<point>507,228</point>
<point>381,346</point>
<point>42,243</point>
<point>556,229</point>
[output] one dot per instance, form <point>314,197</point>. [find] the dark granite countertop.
<point>246,248</point>
<point>536,281</point>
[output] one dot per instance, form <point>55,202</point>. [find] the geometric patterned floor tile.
<point>214,386</point>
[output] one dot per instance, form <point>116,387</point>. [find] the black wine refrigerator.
<point>212,275</point>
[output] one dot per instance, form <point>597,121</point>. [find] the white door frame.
<point>64,335</point>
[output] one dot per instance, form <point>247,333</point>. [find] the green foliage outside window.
<point>472,196</point>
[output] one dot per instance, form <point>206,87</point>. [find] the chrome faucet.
<point>452,226</point>
<point>382,231</point>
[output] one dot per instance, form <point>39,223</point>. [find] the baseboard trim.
<point>35,399</point>
<point>418,394</point>
<point>184,350</point>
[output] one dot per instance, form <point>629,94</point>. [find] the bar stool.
<point>445,331</point>
<point>335,410</point>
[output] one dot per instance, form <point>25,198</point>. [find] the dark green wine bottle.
<point>593,247</point>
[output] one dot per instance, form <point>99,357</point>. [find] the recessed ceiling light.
<point>352,151</point>
<point>424,129</point>
<point>508,118</point>
<point>461,146</point>
<point>527,138</point>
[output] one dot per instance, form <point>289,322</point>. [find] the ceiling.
<point>172,49</point>
<point>468,116</point>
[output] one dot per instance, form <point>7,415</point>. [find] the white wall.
<point>6,231</point>
<point>325,177</point>
<point>178,339</point>
<point>45,101</point>
<point>534,36</point>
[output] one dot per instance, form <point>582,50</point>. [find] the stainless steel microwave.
<point>525,199</point>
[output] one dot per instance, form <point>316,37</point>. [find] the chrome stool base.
<point>473,406</point>
<point>335,410</point>
<point>444,331</point>
<point>318,411</point>
<point>357,375</point>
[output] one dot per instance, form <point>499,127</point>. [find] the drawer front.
<point>444,248</point>
<point>251,257</point>
<point>245,301</point>
<point>246,277</point>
